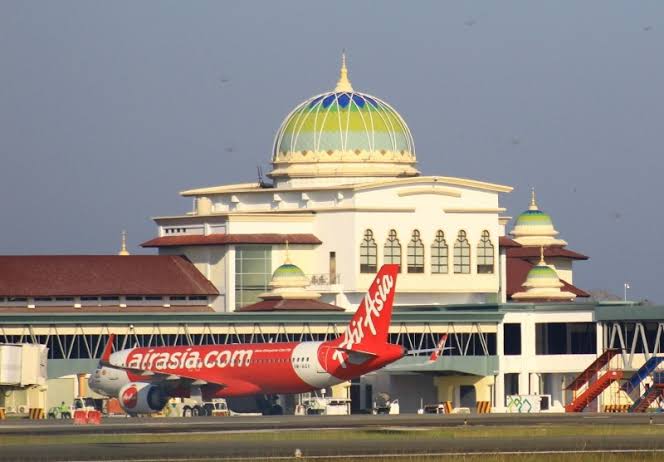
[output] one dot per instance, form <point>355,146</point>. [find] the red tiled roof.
<point>224,239</point>
<point>289,305</point>
<point>517,271</point>
<point>534,252</point>
<point>107,309</point>
<point>504,241</point>
<point>87,275</point>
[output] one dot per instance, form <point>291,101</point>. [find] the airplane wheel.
<point>186,412</point>
<point>196,411</point>
<point>276,410</point>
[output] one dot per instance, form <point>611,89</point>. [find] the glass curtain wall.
<point>253,270</point>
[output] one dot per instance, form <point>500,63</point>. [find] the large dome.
<point>343,133</point>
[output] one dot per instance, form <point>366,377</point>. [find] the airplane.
<point>144,379</point>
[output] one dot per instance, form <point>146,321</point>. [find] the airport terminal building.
<point>290,257</point>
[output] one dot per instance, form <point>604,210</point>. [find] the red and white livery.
<point>145,378</point>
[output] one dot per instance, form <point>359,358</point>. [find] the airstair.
<point>650,395</point>
<point>593,391</point>
<point>594,387</point>
<point>643,372</point>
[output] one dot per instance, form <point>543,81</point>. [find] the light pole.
<point>626,287</point>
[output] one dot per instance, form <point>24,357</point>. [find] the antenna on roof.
<point>261,181</point>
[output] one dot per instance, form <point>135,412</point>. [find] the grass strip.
<point>533,431</point>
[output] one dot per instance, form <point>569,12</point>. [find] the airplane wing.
<point>174,379</point>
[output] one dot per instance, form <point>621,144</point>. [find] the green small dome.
<point>534,218</point>
<point>288,271</point>
<point>542,272</point>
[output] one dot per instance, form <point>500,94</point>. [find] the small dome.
<point>535,227</point>
<point>288,272</point>
<point>542,276</point>
<point>289,282</point>
<point>534,218</point>
<point>343,133</point>
<point>543,284</point>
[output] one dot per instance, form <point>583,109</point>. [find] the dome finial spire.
<point>533,202</point>
<point>343,85</point>
<point>541,262</point>
<point>287,260</point>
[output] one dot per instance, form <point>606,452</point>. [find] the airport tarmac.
<point>180,440</point>
<point>240,423</point>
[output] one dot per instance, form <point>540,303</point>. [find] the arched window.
<point>485,254</point>
<point>439,254</point>
<point>415,253</point>
<point>368,253</point>
<point>392,249</point>
<point>462,254</point>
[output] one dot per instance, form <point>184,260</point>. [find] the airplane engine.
<point>142,398</point>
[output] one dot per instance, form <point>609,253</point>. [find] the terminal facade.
<point>291,256</point>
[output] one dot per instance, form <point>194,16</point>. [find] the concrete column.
<point>600,334</point>
<point>82,385</point>
<point>230,279</point>
<point>203,206</point>
<point>499,393</point>
<point>503,276</point>
<point>534,384</point>
<point>524,382</point>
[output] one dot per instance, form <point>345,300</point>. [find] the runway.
<point>181,438</point>
<point>238,423</point>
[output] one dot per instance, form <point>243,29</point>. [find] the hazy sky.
<point>109,109</point>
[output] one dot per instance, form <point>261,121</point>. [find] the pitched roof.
<point>88,275</point>
<point>517,272</point>
<point>289,305</point>
<point>91,310</point>
<point>225,239</point>
<point>534,252</point>
<point>504,241</point>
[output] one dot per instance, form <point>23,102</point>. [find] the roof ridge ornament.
<point>123,249</point>
<point>343,84</point>
<point>533,202</point>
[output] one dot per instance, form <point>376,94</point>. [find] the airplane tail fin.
<point>108,349</point>
<point>367,331</point>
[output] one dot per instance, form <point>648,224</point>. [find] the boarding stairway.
<point>640,375</point>
<point>650,395</point>
<point>594,388</point>
<point>653,392</point>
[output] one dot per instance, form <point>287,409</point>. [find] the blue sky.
<point>109,109</point>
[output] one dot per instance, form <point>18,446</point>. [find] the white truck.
<point>324,406</point>
<point>188,407</point>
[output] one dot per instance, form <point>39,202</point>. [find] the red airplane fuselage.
<point>143,377</point>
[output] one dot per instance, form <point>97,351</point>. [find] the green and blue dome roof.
<point>344,121</point>
<point>343,133</point>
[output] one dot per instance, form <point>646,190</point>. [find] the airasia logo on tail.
<point>370,310</point>
<point>130,397</point>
